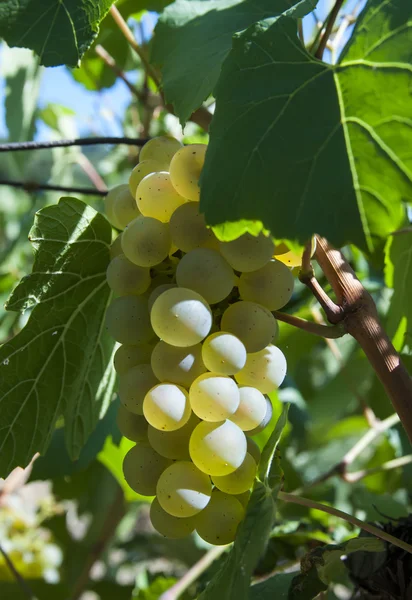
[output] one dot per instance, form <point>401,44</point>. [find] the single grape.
<point>185,168</point>
<point>183,490</point>
<point>157,291</point>
<point>161,149</point>
<point>173,444</point>
<point>109,201</point>
<point>142,468</point>
<point>181,317</point>
<point>124,207</point>
<point>252,323</point>
<point>131,426</point>
<point>289,257</point>
<point>157,198</point>
<point>240,480</point>
<point>252,409</point>
<point>188,229</point>
<point>248,252</point>
<point>223,353</point>
<point>206,272</point>
<point>265,421</point>
<point>166,406</point>
<point>214,397</point>
<point>271,286</point>
<point>127,357</point>
<point>177,365</point>
<point>127,320</point>
<point>146,241</point>
<point>116,247</point>
<point>171,527</point>
<point>264,370</point>
<point>243,498</point>
<point>125,278</point>
<point>140,171</point>
<point>218,522</point>
<point>134,385</point>
<point>217,448</point>
<point>253,449</point>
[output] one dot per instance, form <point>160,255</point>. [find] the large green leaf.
<point>60,362</point>
<point>398,274</point>
<point>59,31</point>
<point>302,146</point>
<point>276,587</point>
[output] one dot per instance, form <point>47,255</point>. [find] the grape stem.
<point>328,28</point>
<point>17,576</point>
<point>111,63</point>
<point>326,331</point>
<point>31,186</point>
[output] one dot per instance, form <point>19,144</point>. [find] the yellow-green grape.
<point>161,149</point>
<point>173,444</point>
<point>252,409</point>
<point>177,365</point>
<point>127,356</point>
<point>124,207</point>
<point>252,323</point>
<point>169,526</point>
<point>166,406</point>
<point>183,490</point>
<point>157,198</point>
<point>134,385</point>
<point>223,353</point>
<point>243,498</point>
<point>125,278</point>
<point>188,229</point>
<point>181,317</point>
<point>185,169</point>
<point>116,247</point>
<point>109,204</point>
<point>217,448</point>
<point>131,426</point>
<point>214,397</point>
<point>157,291</point>
<point>218,522</point>
<point>127,320</point>
<point>140,171</point>
<point>142,467</point>
<point>271,286</point>
<point>240,480</point>
<point>264,370</point>
<point>248,252</point>
<point>206,272</point>
<point>289,257</point>
<point>265,421</point>
<point>146,241</point>
<point>253,449</point>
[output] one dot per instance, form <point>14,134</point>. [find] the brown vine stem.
<point>326,331</point>
<point>111,63</point>
<point>328,29</point>
<point>31,186</point>
<point>17,576</point>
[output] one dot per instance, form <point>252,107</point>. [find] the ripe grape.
<point>146,241</point>
<point>169,526</point>
<point>159,289</point>
<point>264,370</point>
<point>265,421</point>
<point>218,522</point>
<point>134,385</point>
<point>125,278</point>
<point>240,480</point>
<point>157,198</point>
<point>188,229</point>
<point>185,169</point>
<point>166,406</point>
<point>206,272</point>
<point>253,449</point>
<point>181,317</point>
<point>142,467</point>
<point>140,171</point>
<point>251,410</point>
<point>223,353</point>
<point>252,323</point>
<point>131,426</point>
<point>183,490</point>
<point>127,357</point>
<point>217,448</point>
<point>271,286</point>
<point>214,397</point>
<point>127,320</point>
<point>177,365</point>
<point>124,207</point>
<point>161,149</point>
<point>109,201</point>
<point>173,444</point>
<point>248,252</point>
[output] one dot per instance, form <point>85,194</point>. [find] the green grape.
<point>116,247</point>
<point>206,272</point>
<point>252,409</point>
<point>109,201</point>
<point>217,448</point>
<point>181,317</point>
<point>142,468</point>
<point>125,278</point>
<point>265,421</point>
<point>253,449</point>
<point>218,522</point>
<point>240,480</point>
<point>173,444</point>
<point>161,149</point>
<point>271,286</point>
<point>127,320</point>
<point>127,357</point>
<point>134,385</point>
<point>166,406</point>
<point>248,252</point>
<point>183,490</point>
<point>146,241</point>
<point>188,229</point>
<point>177,365</point>
<point>185,169</point>
<point>124,207</point>
<point>223,353</point>
<point>214,397</point>
<point>243,498</point>
<point>157,291</point>
<point>133,427</point>
<point>252,323</point>
<point>264,370</point>
<point>140,171</point>
<point>171,527</point>
<point>157,198</point>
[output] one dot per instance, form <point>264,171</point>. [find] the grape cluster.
<point>196,360</point>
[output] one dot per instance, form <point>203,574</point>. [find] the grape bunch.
<point>197,358</point>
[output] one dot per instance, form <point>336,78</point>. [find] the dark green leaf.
<point>398,274</point>
<point>266,472</point>
<point>130,7</point>
<point>274,587</point>
<point>155,589</point>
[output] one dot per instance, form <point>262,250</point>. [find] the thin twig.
<point>17,576</point>
<point>326,331</point>
<point>31,186</point>
<point>89,169</point>
<point>89,141</point>
<point>328,29</point>
<point>387,466</point>
<point>332,310</point>
<point>306,269</point>
<point>111,63</point>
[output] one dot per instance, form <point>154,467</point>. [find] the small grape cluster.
<point>197,360</point>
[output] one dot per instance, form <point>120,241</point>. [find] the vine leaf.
<point>317,147</point>
<point>398,275</point>
<point>60,362</point>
